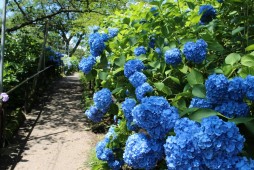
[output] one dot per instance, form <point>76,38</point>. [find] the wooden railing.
<point>26,95</point>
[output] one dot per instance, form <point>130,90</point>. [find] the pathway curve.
<point>58,140</point>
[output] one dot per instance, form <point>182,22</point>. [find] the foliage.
<point>209,79</point>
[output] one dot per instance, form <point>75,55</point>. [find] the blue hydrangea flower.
<point>180,150</point>
<point>131,66</point>
<point>96,44</point>
<point>127,106</point>
<point>102,152</point>
<point>216,88</point>
<point>139,50</point>
<point>208,14</point>
<point>112,32</point>
<point>173,56</point>
<point>218,140</point>
<point>158,51</point>
<point>243,163</point>
<point>105,37</point>
<point>142,90</point>
<point>86,64</point>
<point>233,109</point>
<point>195,52</point>
<point>236,89</point>
<point>103,99</point>
<point>142,152</point>
<point>154,10</point>
<point>200,103</point>
<point>137,79</point>
<point>94,28</point>
<point>211,144</point>
<point>94,114</point>
<point>249,83</point>
<point>115,164</point>
<point>152,42</point>
<point>155,115</point>
<point>220,1</point>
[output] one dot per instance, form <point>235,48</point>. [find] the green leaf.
<point>120,61</point>
<point>249,125</point>
<point>103,75</point>
<point>133,41</point>
<point>202,113</point>
<point>191,5</point>
<point>249,48</point>
<point>199,91</point>
<point>155,64</point>
<point>174,79</point>
<point>232,58</point>
<point>195,77</point>
<point>163,88</point>
<point>126,21</point>
<point>227,69</point>
<point>248,60</point>
<point>212,43</point>
<point>240,120</point>
<point>239,29</point>
<point>245,71</point>
<point>159,86</point>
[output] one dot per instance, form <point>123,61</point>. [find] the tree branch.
<point>21,10</point>
<point>77,44</point>
<point>8,30</point>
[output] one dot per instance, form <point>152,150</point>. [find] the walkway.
<point>59,140</point>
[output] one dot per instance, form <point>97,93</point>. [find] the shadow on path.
<point>53,136</point>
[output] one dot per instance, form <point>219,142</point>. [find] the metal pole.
<point>2,45</point>
<point>2,114</point>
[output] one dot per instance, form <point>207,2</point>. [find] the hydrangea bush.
<point>178,83</point>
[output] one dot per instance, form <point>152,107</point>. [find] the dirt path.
<point>58,140</point>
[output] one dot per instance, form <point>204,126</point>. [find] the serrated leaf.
<point>240,120</point>
<point>249,48</point>
<point>248,60</point>
<point>120,61</point>
<point>199,91</point>
<point>238,29</point>
<point>202,113</point>
<point>159,86</point>
<point>103,75</point>
<point>195,77</point>
<point>232,58</point>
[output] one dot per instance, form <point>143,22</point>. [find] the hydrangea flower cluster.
<point>106,154</point>
<point>137,79</point>
<point>131,66</point>
<point>208,145</point>
<point>195,52</point>
<point>152,42</point>
<point>4,97</point>
<point>158,51</point>
<point>96,43</point>
<point>127,107</point>
<point>132,70</point>
<point>173,56</point>
<point>225,96</point>
<point>55,57</point>
<point>155,115</point>
<point>112,32</point>
<point>102,101</point>
<point>139,50</point>
<point>86,64</point>
<point>142,152</point>
<point>249,85</point>
<point>200,103</point>
<point>208,14</point>
<point>154,10</point>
